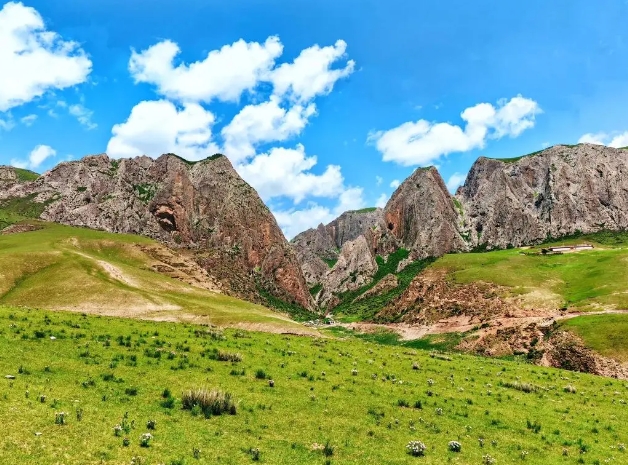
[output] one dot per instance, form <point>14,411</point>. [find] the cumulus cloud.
<point>455,180</point>
<point>395,183</point>
<point>37,156</point>
<point>262,123</point>
<point>601,138</point>
<point>182,124</point>
<point>223,75</point>
<point>158,127</point>
<point>311,73</point>
<point>286,172</point>
<point>34,60</point>
<point>422,142</point>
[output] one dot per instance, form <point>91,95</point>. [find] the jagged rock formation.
<point>555,192</point>
<point>319,247</point>
<point>204,206</point>
<point>512,202</point>
<point>422,216</point>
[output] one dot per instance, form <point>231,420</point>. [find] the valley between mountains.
<point>172,240</point>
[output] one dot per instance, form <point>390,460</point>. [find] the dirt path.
<point>463,324</point>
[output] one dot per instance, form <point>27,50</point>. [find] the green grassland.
<point>587,280</point>
<point>366,401</point>
<point>67,268</point>
<point>606,334</point>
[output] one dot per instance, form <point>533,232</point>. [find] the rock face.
<point>204,206</point>
<point>556,192</point>
<point>354,268</point>
<point>325,242</point>
<point>422,215</point>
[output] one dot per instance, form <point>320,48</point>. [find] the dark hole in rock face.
<point>165,217</point>
<point>479,227</point>
<point>391,226</point>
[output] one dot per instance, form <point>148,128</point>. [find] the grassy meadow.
<point>588,280</point>
<point>606,334</point>
<point>334,400</point>
<point>67,268</point>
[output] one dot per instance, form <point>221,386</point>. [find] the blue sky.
<point>321,105</point>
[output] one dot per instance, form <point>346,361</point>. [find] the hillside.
<point>333,401</point>
<point>50,266</point>
<point>203,206</point>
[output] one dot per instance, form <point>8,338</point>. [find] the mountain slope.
<point>203,206</point>
<point>66,268</point>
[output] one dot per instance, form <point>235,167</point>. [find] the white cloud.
<point>286,172</point>
<point>395,183</point>
<point>224,74</point>
<point>37,156</point>
<point>601,138</point>
<point>28,120</point>
<point>422,142</point>
<point>265,122</point>
<point>294,221</point>
<point>83,115</point>
<point>310,74</point>
<point>381,201</point>
<point>157,127</point>
<point>34,60</point>
<point>378,180</point>
<point>455,180</point>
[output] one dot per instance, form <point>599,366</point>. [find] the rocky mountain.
<point>204,206</point>
<point>319,248</point>
<point>555,192</point>
<point>509,202</point>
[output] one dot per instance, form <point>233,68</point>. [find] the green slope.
<point>107,371</point>
<point>606,334</point>
<point>587,280</point>
<point>60,267</point>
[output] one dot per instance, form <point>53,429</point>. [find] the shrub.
<point>222,356</point>
<point>117,430</point>
<point>151,424</point>
<point>166,394</point>
<point>454,446</point>
<point>254,454</point>
<point>416,448</point>
<point>131,391</point>
<point>126,442</point>
<point>60,418</point>
<point>212,402</point>
<point>570,389</point>
<point>168,402</point>
<point>328,449</point>
<point>260,374</point>
<point>523,387</point>
<point>403,403</point>
<point>536,427</point>
<point>145,439</point>
<point>488,460</point>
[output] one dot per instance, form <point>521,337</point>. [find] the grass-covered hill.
<point>66,268</point>
<point>84,389</point>
<point>588,280</point>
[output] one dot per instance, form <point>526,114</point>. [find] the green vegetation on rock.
<point>25,175</point>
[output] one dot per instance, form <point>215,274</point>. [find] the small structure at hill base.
<point>566,249</point>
